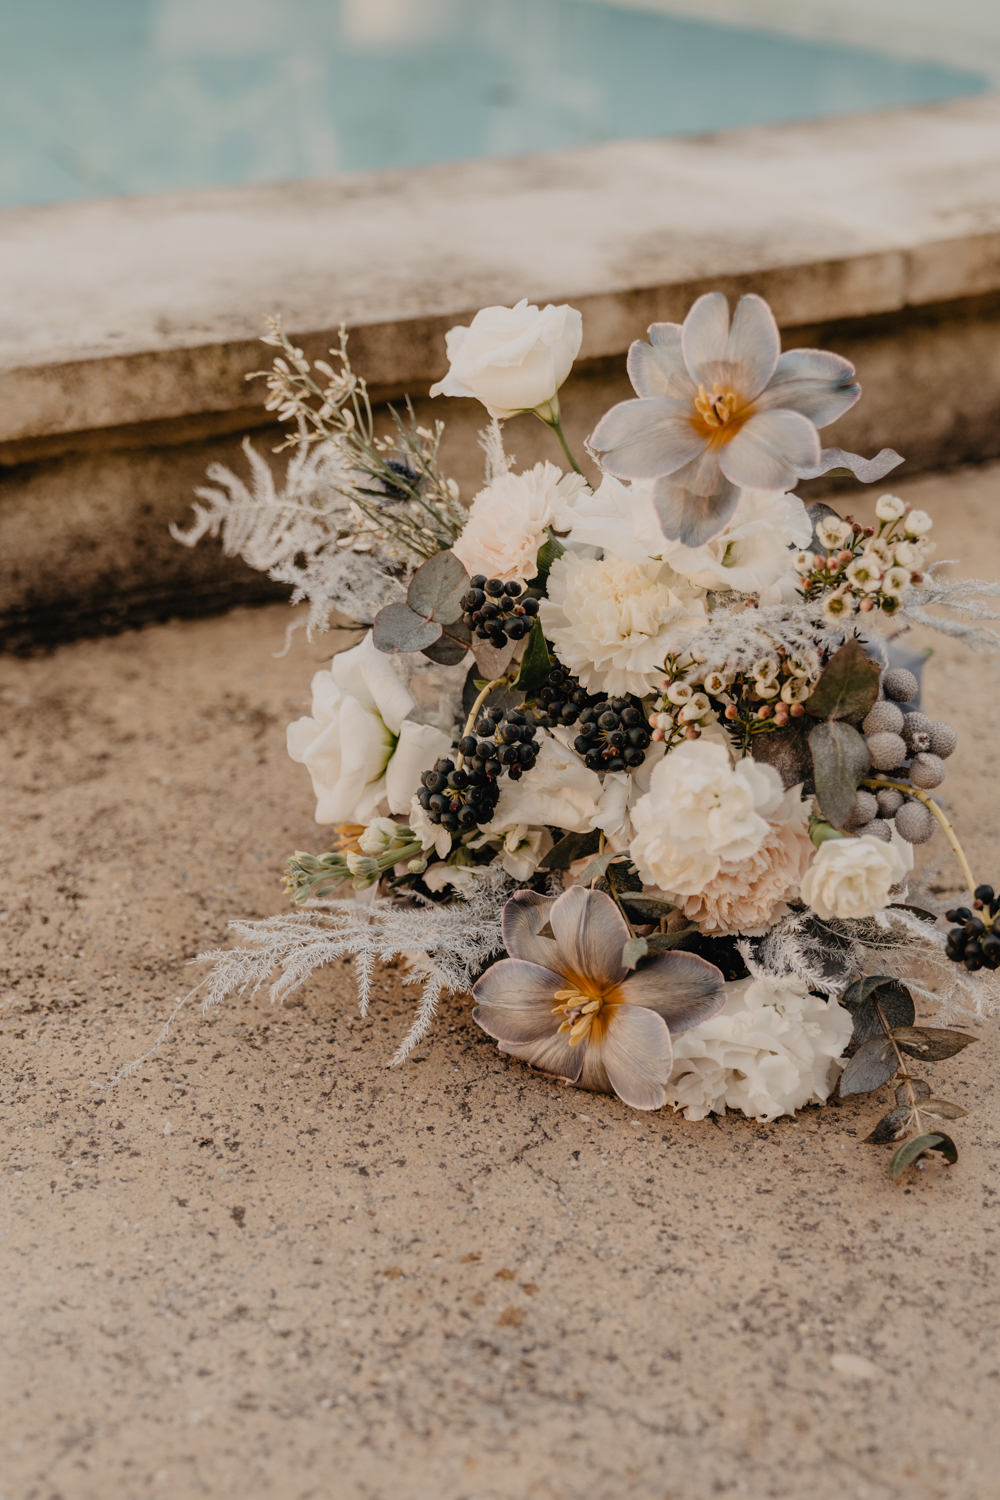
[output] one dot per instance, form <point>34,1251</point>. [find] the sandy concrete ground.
<point>270,1266</point>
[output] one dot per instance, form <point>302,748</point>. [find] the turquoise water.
<point>102,97</point>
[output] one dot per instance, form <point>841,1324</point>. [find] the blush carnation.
<point>507,521</point>
<point>748,895</point>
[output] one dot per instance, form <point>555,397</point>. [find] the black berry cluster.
<point>614,735</point>
<point>560,699</point>
<point>496,611</point>
<point>974,943</point>
<point>463,797</point>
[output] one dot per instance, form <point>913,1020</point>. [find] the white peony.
<point>507,521</point>
<point>852,877</point>
<point>754,553</point>
<point>612,622</point>
<point>358,745</point>
<point>769,1051</point>
<point>701,810</point>
<point>513,359</point>
<point>558,792</point>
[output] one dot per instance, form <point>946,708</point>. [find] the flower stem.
<point>902,1068</point>
<point>556,426</point>
<point>470,722</point>
<point>911,791</point>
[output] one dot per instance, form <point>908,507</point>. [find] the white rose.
<point>358,746</point>
<point>507,521</point>
<point>699,811</point>
<point>889,508</point>
<point>852,877</point>
<point>558,792</point>
<point>768,1052</point>
<point>513,359</point>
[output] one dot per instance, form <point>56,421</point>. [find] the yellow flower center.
<point>578,1010</point>
<point>721,414</point>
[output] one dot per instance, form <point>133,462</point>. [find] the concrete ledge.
<point>129,325</point>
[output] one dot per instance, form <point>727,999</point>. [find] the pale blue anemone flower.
<point>568,1005</point>
<point>720,409</point>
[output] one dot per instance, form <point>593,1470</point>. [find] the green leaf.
<point>862,988</point>
<point>840,759</point>
<point>911,1150</point>
<point>573,846</point>
<point>942,1109</point>
<point>437,586</point>
<point>547,554</point>
<point>536,663</point>
<point>893,998</point>
<point>889,1128</point>
<point>931,1043</point>
<point>597,866</point>
<point>450,647</point>
<point>399,628</point>
<point>642,909</point>
<point>662,942</point>
<point>870,1067</point>
<point>633,950</point>
<point>921,1090</point>
<point>847,686</point>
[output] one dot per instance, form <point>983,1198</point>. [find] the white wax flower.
<point>512,359</point>
<point>358,745</point>
<point>889,508</point>
<point>701,810</point>
<point>768,1052</point>
<point>507,521</point>
<point>917,523</point>
<point>613,622</point>
<point>558,792</point>
<point>852,877</point>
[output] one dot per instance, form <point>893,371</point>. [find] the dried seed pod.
<point>889,802</point>
<point>876,829</point>
<point>865,809</point>
<point>884,718</point>
<point>927,770</point>
<point>916,732</point>
<point>899,685</point>
<point>886,750</point>
<point>914,823</point>
<point>943,739</point>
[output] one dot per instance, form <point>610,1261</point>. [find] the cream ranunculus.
<point>507,521</point>
<point>358,745</point>
<point>852,877</point>
<point>513,359</point>
<point>613,622</point>
<point>701,810</point>
<point>558,792</point>
<point>769,1051</point>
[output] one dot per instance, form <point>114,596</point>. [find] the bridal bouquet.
<point>640,764</point>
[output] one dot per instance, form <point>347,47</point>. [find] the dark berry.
<point>458,781</point>
<point>530,606</point>
<point>489,611</point>
<point>514,772</point>
<point>424,798</point>
<point>513,588</point>
<point>444,765</point>
<point>631,717</point>
<point>467,817</point>
<point>638,739</point>
<point>991,950</point>
<point>973,959</point>
<point>478,580</point>
<point>517,629</point>
<point>958,914</point>
<point>581,745</point>
<point>438,802</point>
<point>616,763</point>
<point>468,744</point>
<point>449,820</point>
<point>494,587</point>
<point>634,757</point>
<point>493,768</point>
<point>984,893</point>
<point>526,755</point>
<point>608,720</point>
<point>594,760</point>
<point>498,639</point>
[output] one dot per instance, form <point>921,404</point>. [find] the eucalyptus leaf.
<point>889,1128</point>
<point>921,1089</point>
<point>870,1067</point>
<point>597,866</point>
<point>840,759</point>
<point>663,942</point>
<point>942,1109</point>
<point>863,987</point>
<point>399,628</point>
<point>931,1043</point>
<point>787,750</point>
<point>634,949</point>
<point>911,1150</point>
<point>491,662</point>
<point>536,663</point>
<point>450,647</point>
<point>573,846</point>
<point>437,586</point>
<point>895,1002</point>
<point>847,686</point>
<point>640,908</point>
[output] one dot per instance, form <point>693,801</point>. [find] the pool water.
<point>104,97</point>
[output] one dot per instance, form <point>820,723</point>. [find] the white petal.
<point>643,439</point>
<point>703,338</point>
<point>753,346</point>
<point>418,747</point>
<point>769,449</point>
<point>658,368</point>
<point>525,914</point>
<point>814,382</point>
<point>694,504</point>
<point>591,934</point>
<point>637,1055</point>
<point>368,675</point>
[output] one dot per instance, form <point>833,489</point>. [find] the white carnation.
<point>507,521</point>
<point>852,877</point>
<point>754,553</point>
<point>613,622</point>
<point>699,811</point>
<point>769,1051</point>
